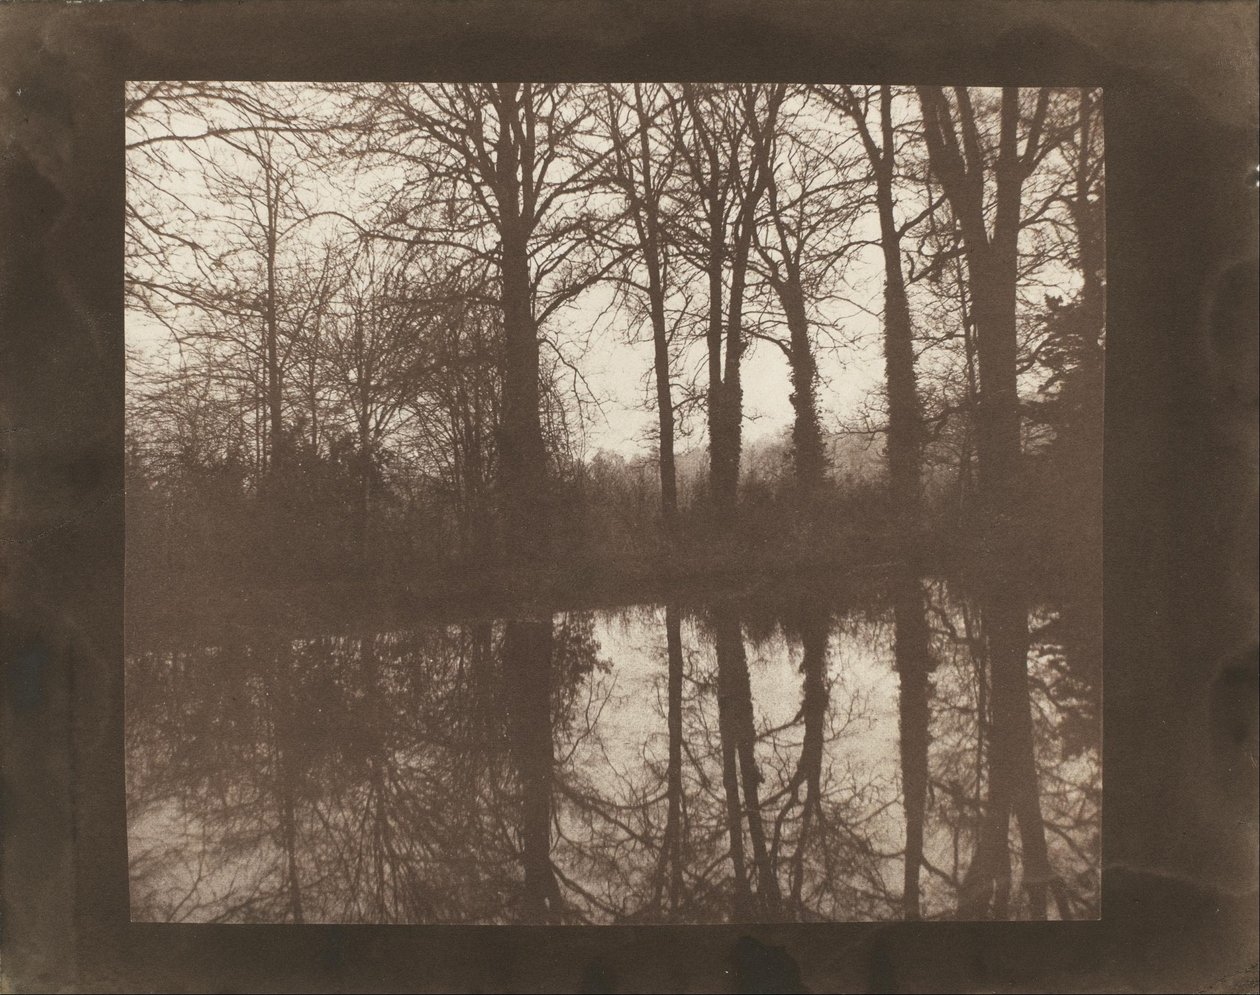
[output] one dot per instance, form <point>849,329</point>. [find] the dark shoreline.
<point>350,605</point>
<point>206,611</point>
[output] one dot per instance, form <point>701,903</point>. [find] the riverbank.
<point>205,608</point>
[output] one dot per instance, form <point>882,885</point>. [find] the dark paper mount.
<point>1180,833</point>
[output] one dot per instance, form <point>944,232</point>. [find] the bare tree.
<point>222,273</point>
<point>454,419</point>
<point>641,169</point>
<point>495,176</point>
<point>804,241</point>
<point>905,429</point>
<point>377,352</point>
<point>725,162</point>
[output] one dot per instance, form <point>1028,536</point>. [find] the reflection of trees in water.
<point>390,778</point>
<point>1011,777</point>
<point>826,845</point>
<point>210,734</point>
<point>498,772</point>
<point>738,734</point>
<point>331,781</point>
<point>527,657</point>
<point>914,662</point>
<point>773,819</point>
<point>1001,750</point>
<point>809,767</point>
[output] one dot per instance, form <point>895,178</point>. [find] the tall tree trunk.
<point>522,454</point>
<point>522,451</point>
<point>706,172</point>
<point>808,456</point>
<point>650,231</point>
<point>716,395</point>
<point>664,407</point>
<point>725,375</point>
<point>997,412</point>
<point>905,427</point>
<point>1087,219</point>
<point>364,497</point>
<point>730,425</point>
<point>312,385</point>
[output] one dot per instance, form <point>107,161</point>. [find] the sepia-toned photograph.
<point>525,495</point>
<point>613,503</point>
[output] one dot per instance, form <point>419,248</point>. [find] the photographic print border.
<point>1179,887</point>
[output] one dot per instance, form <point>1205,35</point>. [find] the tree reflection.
<point>813,628</point>
<point>1003,750</point>
<point>647,766</point>
<point>1012,775</point>
<point>527,658</point>
<point>740,772</point>
<point>914,663</point>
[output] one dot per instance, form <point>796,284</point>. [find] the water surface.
<point>648,764</point>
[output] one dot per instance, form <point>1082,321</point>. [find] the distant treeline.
<point>205,528</point>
